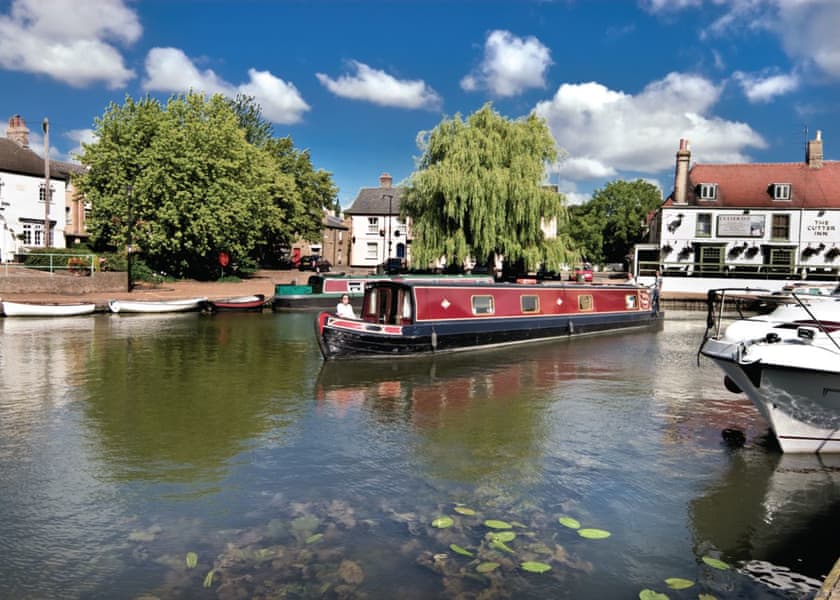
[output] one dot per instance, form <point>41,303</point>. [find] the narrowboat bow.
<point>406,318</point>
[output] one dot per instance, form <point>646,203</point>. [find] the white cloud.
<point>79,137</point>
<point>69,40</point>
<point>607,131</point>
<point>510,66</point>
<point>170,70</point>
<point>764,89</point>
<point>808,30</point>
<point>373,85</point>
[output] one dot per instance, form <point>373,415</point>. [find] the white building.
<point>22,197</point>
<point>377,232</point>
<point>755,221</point>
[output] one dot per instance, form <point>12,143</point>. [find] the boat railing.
<point>715,303</point>
<point>814,318</point>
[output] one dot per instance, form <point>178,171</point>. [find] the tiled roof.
<point>333,222</point>
<point>373,201</point>
<point>750,185</point>
<point>16,159</point>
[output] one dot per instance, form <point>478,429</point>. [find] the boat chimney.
<point>814,152</point>
<point>385,180</point>
<point>681,174</point>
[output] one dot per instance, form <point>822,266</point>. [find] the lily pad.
<point>443,522</point>
<point>569,522</point>
<point>715,563</point>
<point>208,579</point>
<point>463,510</point>
<point>192,560</point>
<point>502,536</point>
<point>314,538</point>
<point>494,524</point>
<point>535,567</point>
<point>706,597</point>
<point>593,534</point>
<point>462,551</point>
<point>486,567</point>
<point>501,546</point>
<point>652,595</point>
<point>677,583</point>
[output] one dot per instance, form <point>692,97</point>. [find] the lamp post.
<point>390,199</point>
<point>47,193</point>
<point>129,224</point>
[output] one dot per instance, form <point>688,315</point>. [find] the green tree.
<point>479,191</point>
<point>197,186</point>
<point>613,221</point>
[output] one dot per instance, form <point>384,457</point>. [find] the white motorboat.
<point>156,306</point>
<point>47,309</point>
<point>788,363</point>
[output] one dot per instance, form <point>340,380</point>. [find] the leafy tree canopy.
<point>478,191</point>
<point>204,177</point>
<point>612,222</point>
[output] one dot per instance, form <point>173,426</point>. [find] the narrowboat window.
<point>585,302</point>
<point>354,286</point>
<point>529,304</point>
<point>372,298</point>
<point>630,300</point>
<point>406,306</point>
<point>482,305</point>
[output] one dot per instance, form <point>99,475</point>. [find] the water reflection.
<point>767,504</point>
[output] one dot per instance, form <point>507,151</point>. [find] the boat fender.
<point>434,340</point>
<point>571,327</point>
<point>731,385</point>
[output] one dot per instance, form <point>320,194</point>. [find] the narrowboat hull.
<point>407,319</point>
<point>348,339</point>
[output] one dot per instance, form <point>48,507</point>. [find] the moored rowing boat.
<point>47,309</point>
<point>155,306</point>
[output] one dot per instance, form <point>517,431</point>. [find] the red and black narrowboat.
<point>406,318</point>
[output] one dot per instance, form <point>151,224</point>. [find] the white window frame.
<point>373,225</point>
<point>372,251</point>
<point>781,192</point>
<point>708,191</point>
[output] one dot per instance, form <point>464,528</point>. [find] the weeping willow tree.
<point>478,192</point>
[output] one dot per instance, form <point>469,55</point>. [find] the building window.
<point>41,193</point>
<point>68,215</point>
<point>779,260</point>
<point>373,225</point>
<point>372,251</point>
<point>530,304</point>
<point>781,191</point>
<point>708,191</point>
<point>482,305</point>
<point>704,225</point>
<point>781,227</point>
<point>27,234</point>
<point>711,259</point>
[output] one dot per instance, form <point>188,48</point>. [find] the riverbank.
<point>261,282</point>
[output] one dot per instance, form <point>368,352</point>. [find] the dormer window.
<point>708,191</point>
<point>781,191</point>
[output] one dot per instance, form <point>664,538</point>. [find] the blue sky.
<point>619,83</point>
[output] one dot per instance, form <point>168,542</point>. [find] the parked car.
<point>393,266</point>
<point>313,262</point>
<point>581,273</point>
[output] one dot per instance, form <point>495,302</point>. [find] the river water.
<point>134,447</point>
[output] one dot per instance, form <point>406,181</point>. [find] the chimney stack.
<point>385,180</point>
<point>17,131</point>
<point>681,174</point>
<point>814,152</point>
